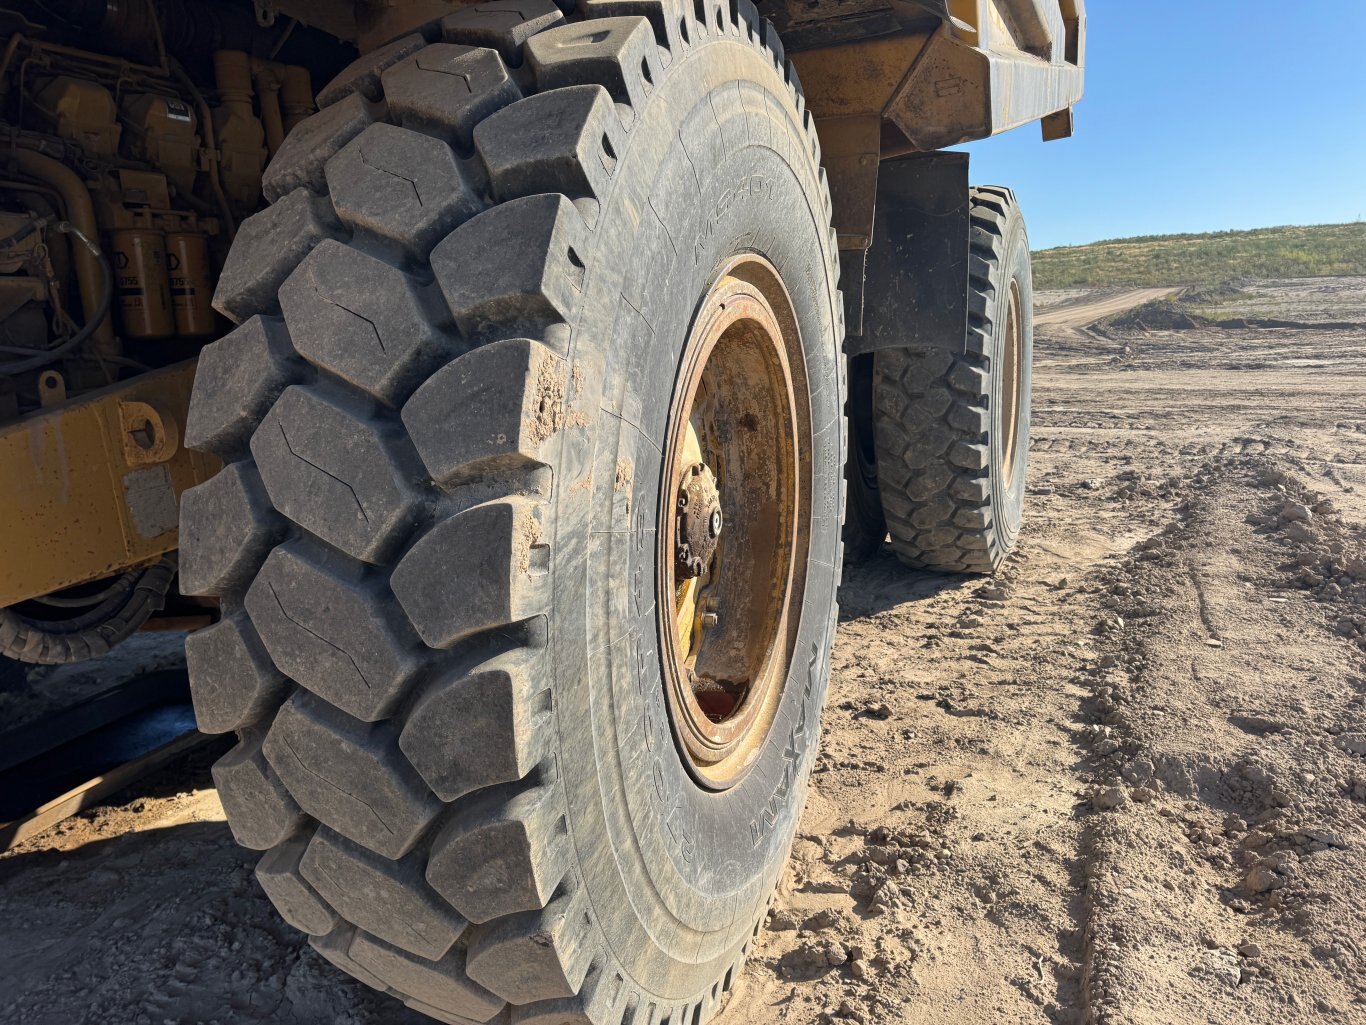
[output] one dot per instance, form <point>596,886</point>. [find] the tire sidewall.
<point>678,876</point>
<point>1015,267</point>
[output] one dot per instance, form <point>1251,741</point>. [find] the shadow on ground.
<point>883,583</point>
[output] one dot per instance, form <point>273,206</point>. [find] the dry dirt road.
<point>1083,307</point>
<point>1124,783</point>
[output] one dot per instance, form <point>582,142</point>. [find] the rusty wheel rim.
<point>1011,386</point>
<point>734,515</point>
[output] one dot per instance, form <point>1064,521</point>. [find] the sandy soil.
<point>1125,782</point>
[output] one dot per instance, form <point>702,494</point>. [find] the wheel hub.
<point>734,516</point>
<point>699,520</point>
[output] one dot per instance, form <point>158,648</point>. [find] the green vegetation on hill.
<point>1321,250</point>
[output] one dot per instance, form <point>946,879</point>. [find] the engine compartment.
<point>145,127</point>
<point>134,138</point>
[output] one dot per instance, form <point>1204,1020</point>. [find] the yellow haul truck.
<point>503,366</point>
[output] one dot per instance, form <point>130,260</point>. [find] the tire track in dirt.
<point>1225,823</point>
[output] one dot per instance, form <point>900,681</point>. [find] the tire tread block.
<point>333,632</point>
<point>446,89</point>
<point>363,75</point>
<point>300,160</point>
<point>261,812</point>
<point>441,983</point>
<point>615,53</point>
<point>335,475</point>
<point>350,776</point>
<point>480,728</point>
<point>269,245</point>
<point>536,955</point>
<point>233,682</point>
<point>237,379</point>
<point>565,141</point>
<point>502,25</point>
<point>482,568</point>
<point>386,898</point>
<point>365,320</point>
<point>665,18</point>
<point>292,894</point>
<point>492,286</point>
<point>498,855</point>
<point>335,947</point>
<point>488,411</point>
<point>227,529</point>
<point>400,187</point>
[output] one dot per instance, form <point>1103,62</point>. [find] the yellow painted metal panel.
<point>92,485</point>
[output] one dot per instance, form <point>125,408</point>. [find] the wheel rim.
<point>1011,386</point>
<point>734,516</point>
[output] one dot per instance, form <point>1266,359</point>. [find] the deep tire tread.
<point>347,756</point>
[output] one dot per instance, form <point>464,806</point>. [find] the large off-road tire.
<point>447,417</point>
<point>952,427</point>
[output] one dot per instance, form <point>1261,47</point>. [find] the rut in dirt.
<point>1223,851</point>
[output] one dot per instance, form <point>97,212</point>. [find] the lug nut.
<point>709,620</point>
<point>715,524</point>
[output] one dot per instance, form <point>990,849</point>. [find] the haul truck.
<point>502,366</point>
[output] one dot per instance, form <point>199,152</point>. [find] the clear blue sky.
<point>1200,115</point>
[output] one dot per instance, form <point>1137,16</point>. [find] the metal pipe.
<point>286,95</point>
<point>160,38</point>
<point>11,48</point>
<point>211,144</point>
<point>268,91</point>
<point>271,120</point>
<point>80,211</point>
<point>232,73</point>
<point>296,94</point>
<point>239,133</point>
<point>119,64</point>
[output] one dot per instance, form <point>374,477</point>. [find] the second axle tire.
<point>952,428</point>
<point>491,759</point>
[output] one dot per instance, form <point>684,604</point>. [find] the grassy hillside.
<point>1320,250</point>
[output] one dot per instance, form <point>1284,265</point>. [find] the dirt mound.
<point>1159,315</point>
<point>1214,295</point>
<point>1182,313</point>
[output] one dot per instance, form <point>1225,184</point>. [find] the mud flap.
<point>916,270</point>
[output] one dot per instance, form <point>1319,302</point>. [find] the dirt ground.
<point>1124,782</point>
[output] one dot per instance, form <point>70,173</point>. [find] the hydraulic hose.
<point>80,211</point>
<point>92,322</point>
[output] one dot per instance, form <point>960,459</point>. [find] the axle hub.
<point>699,520</point>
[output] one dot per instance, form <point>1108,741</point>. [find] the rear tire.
<point>952,423</point>
<point>461,324</point>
